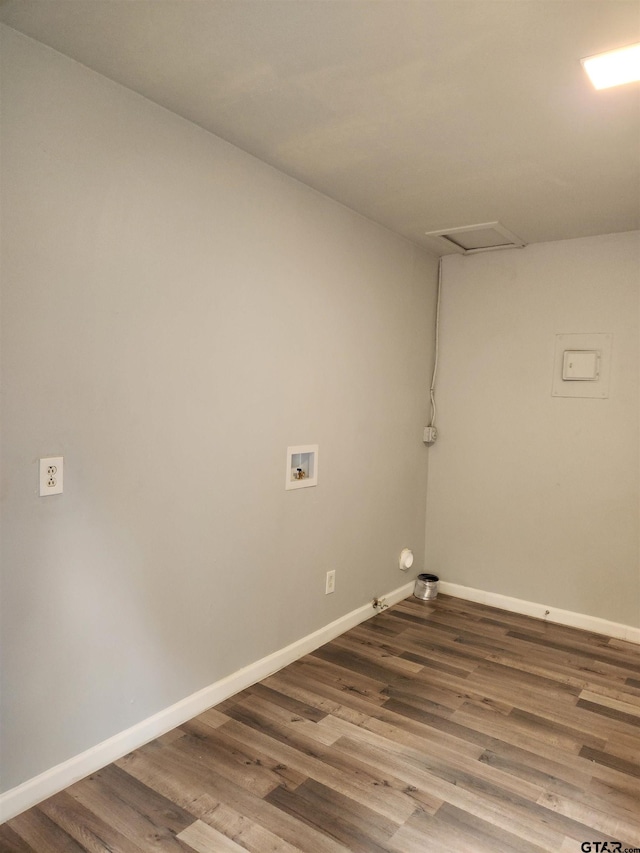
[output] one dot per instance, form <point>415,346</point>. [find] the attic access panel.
<point>484,237</point>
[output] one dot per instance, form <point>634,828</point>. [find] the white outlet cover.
<point>51,475</point>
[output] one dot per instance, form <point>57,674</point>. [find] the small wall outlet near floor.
<point>330,583</point>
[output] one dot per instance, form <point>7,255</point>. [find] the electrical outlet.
<point>51,475</point>
<point>330,583</point>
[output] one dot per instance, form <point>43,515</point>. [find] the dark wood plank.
<point>628,768</point>
<point>42,833</point>
<point>611,713</point>
<point>223,822</point>
<point>360,829</point>
<point>249,767</point>
<point>132,809</point>
<point>202,791</point>
<point>623,661</point>
<point>86,828</point>
<point>453,825</point>
<point>10,841</point>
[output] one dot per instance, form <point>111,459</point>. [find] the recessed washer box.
<point>582,365</point>
<point>302,466</point>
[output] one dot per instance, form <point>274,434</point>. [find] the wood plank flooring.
<point>435,726</point>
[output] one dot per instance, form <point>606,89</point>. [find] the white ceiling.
<point>419,114</point>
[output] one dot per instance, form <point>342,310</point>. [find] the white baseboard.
<point>34,790</point>
<point>543,611</point>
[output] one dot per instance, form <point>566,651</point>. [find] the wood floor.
<point>435,726</point>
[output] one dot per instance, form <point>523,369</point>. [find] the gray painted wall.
<point>174,315</point>
<point>530,495</point>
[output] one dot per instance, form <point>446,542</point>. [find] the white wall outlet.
<point>51,475</point>
<point>330,583</point>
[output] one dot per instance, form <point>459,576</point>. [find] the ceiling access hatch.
<point>469,239</point>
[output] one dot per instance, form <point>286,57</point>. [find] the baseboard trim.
<point>543,611</point>
<point>34,790</point>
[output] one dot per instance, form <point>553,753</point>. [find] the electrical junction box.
<point>429,435</point>
<point>582,365</point>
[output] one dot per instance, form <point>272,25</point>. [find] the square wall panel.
<point>581,366</point>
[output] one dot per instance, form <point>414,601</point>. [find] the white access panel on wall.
<point>581,365</point>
